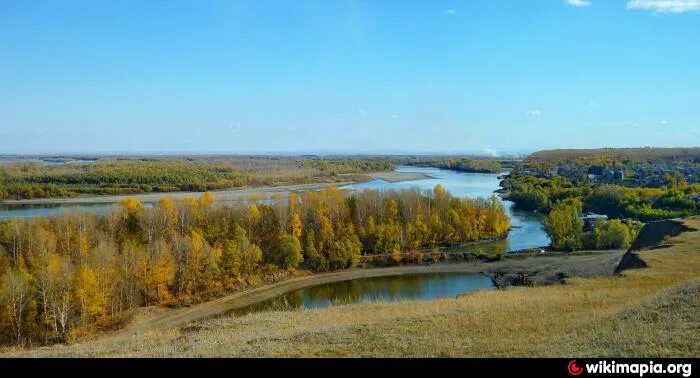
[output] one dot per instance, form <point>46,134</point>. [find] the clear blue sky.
<point>334,75</point>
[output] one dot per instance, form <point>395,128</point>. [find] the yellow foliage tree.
<point>296,226</point>
<point>87,294</point>
<point>159,272</point>
<point>206,199</point>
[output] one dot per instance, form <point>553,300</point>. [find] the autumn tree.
<point>86,290</point>
<point>62,294</point>
<point>286,253</point>
<point>613,234</point>
<point>312,258</point>
<point>158,270</point>
<point>131,210</point>
<point>564,225</point>
<point>15,294</point>
<point>240,258</point>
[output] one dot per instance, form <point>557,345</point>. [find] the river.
<point>527,231</point>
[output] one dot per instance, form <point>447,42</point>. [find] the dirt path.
<point>540,268</point>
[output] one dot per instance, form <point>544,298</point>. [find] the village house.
<point>590,219</point>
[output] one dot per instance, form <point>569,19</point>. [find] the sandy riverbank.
<point>228,195</point>
<point>394,176</point>
<point>266,192</point>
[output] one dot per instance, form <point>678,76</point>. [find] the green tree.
<point>312,257</point>
<point>240,257</point>
<point>564,226</point>
<point>286,253</point>
<point>613,234</point>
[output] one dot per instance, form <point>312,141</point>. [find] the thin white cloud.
<point>635,124</point>
<point>665,6</point>
<point>579,3</point>
<point>663,122</point>
<point>534,113</point>
<point>451,12</point>
<point>490,151</point>
<point>362,111</point>
<point>394,116</point>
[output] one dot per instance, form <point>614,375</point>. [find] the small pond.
<point>424,286</point>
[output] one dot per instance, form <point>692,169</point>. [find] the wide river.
<point>527,231</point>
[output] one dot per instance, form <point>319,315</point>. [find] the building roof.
<point>593,216</point>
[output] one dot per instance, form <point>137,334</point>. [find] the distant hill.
<point>644,153</point>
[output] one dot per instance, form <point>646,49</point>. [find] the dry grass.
<point>648,312</point>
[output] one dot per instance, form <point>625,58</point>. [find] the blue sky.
<point>491,76</point>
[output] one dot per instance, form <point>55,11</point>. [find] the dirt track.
<point>541,269</point>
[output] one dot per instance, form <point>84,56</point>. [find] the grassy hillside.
<point>645,312</point>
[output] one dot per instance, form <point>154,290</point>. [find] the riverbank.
<point>396,176</point>
<point>510,271</point>
<point>228,195</point>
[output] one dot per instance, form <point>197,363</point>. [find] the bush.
<point>612,234</point>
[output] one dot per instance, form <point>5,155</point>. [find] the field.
<point>645,312</point>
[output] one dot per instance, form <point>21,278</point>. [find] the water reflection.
<point>389,289</point>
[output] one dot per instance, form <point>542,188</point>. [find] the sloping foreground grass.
<point>649,312</point>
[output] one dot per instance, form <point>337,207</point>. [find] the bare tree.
<point>16,292</point>
<point>62,298</point>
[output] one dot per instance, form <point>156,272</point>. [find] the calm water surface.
<point>388,289</point>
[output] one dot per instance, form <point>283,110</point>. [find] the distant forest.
<point>644,153</point>
<point>54,177</point>
<point>114,176</point>
<point>458,163</point>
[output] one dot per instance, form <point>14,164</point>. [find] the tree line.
<point>460,164</point>
<point>531,192</point>
<point>566,229</point>
<point>132,176</point>
<point>82,272</point>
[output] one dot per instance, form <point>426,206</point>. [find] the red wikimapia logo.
<point>574,369</point>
